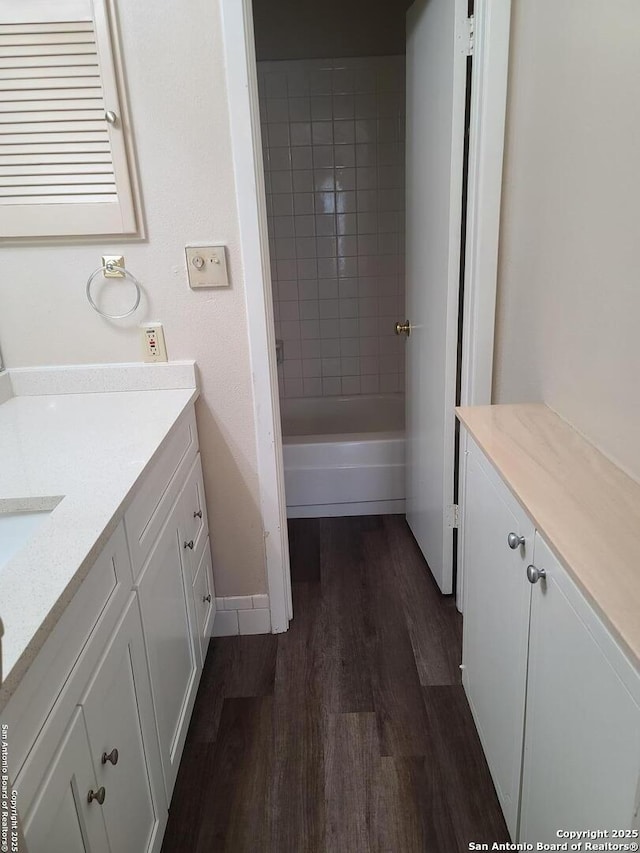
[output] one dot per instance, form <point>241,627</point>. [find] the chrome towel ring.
<point>110,267</point>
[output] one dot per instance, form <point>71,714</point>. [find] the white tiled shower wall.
<point>333,140</point>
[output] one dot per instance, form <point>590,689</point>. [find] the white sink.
<point>16,528</point>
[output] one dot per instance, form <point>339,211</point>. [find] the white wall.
<point>568,292</point>
<point>178,100</point>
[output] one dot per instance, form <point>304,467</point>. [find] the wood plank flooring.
<point>350,732</point>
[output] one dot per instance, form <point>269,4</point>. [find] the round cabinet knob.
<point>403,328</point>
<point>98,795</point>
<point>110,756</point>
<point>189,544</point>
<point>206,598</point>
<point>515,541</point>
<point>111,117</point>
<point>198,514</point>
<point>534,574</point>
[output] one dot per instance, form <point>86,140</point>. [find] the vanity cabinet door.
<point>496,624</point>
<point>582,740</point>
<point>119,717</point>
<point>61,816</point>
<point>170,632</point>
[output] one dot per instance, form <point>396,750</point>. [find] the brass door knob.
<point>98,795</point>
<point>403,328</point>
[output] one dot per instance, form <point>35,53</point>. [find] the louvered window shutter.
<point>64,169</point>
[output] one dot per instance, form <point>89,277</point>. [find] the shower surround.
<point>333,141</point>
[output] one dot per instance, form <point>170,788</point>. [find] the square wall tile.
<point>225,623</point>
<point>312,387</point>
<point>333,132</point>
<point>331,386</point>
<point>257,621</point>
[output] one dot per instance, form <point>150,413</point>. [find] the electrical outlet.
<point>207,266</point>
<point>153,345</point>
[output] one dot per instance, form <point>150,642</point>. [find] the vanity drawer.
<point>159,489</point>
<point>75,641</point>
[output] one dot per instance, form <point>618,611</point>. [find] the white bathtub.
<point>344,455</point>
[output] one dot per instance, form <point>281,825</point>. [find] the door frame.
<point>246,144</point>
<point>492,21</point>
<point>484,190</point>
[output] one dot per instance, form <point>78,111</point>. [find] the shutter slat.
<point>40,72</point>
<point>39,149</point>
<point>41,62</point>
<point>50,95</point>
<point>26,164</point>
<point>61,189</point>
<point>57,115</point>
<point>23,182</point>
<point>50,127</point>
<point>67,36</point>
<point>44,27</point>
<point>40,138</point>
<point>86,48</point>
<point>60,83</point>
<point>91,167</point>
<point>51,106</point>
<point>67,198</point>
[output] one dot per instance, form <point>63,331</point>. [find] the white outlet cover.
<point>153,344</point>
<point>207,266</point>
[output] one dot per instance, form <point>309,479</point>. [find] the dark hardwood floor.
<point>349,733</point>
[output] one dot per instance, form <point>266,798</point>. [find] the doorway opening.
<point>316,203</point>
<point>332,115</point>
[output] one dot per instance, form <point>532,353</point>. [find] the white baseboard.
<point>391,507</point>
<point>241,614</point>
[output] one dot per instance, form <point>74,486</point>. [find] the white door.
<point>496,624</point>
<point>436,84</point>
<point>582,739</point>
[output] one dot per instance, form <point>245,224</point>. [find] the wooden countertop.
<point>586,508</point>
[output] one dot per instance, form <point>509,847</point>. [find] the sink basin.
<point>16,528</point>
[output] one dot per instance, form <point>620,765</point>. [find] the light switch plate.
<point>207,266</point>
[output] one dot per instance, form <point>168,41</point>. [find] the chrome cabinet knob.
<point>111,117</point>
<point>189,544</point>
<point>198,514</point>
<point>514,541</point>
<point>110,756</point>
<point>206,598</point>
<point>98,795</point>
<point>534,574</point>
<point>403,328</point>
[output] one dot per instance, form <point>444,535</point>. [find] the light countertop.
<point>586,508</point>
<point>88,450</point>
